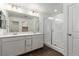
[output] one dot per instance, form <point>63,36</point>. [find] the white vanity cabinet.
<point>16,45</point>
<point>28,44</point>
<point>37,41</point>
<point>13,46</point>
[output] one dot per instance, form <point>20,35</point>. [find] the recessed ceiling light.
<point>55,10</point>
<point>50,18</point>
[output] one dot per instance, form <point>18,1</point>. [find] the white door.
<point>73,34</point>
<point>47,32</point>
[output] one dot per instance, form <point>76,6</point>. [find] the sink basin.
<point>15,33</point>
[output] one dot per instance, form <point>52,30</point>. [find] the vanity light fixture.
<point>33,13</point>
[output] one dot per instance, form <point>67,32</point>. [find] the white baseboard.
<point>56,48</point>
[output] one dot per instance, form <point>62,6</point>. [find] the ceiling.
<point>48,8</point>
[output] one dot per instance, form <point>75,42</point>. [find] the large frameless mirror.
<point>23,24</point>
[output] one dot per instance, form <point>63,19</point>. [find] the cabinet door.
<point>28,45</point>
<point>15,47</point>
<point>37,41</point>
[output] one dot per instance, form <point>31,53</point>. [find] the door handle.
<point>69,34</point>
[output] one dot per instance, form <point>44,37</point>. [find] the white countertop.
<point>19,34</point>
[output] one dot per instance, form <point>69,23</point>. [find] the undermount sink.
<point>15,33</point>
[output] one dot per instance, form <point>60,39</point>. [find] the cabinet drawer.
<point>28,37</point>
<point>37,36</point>
<point>12,39</point>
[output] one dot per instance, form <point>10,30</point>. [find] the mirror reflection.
<point>2,21</point>
<point>22,23</point>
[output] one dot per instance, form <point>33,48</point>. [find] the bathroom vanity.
<point>11,45</point>
<point>19,33</point>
